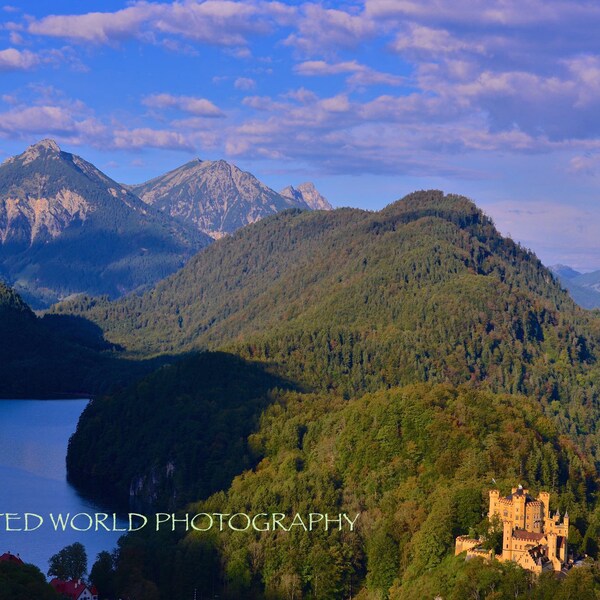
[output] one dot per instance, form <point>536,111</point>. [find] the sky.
<point>497,100</point>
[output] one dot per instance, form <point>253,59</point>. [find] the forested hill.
<point>351,311</point>
<point>355,265</point>
<point>425,289</point>
<point>57,355</point>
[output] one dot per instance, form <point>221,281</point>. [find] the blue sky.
<point>494,99</point>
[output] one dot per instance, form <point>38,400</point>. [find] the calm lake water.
<point>33,444</point>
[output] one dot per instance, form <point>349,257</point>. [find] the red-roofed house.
<point>74,589</point>
<point>11,558</point>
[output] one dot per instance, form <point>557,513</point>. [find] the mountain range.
<point>583,287</point>
<point>67,228</point>
<point>308,194</point>
<point>218,198</point>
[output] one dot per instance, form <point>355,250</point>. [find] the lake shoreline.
<point>34,435</point>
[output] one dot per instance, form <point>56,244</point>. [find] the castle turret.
<point>494,495</point>
<point>544,498</point>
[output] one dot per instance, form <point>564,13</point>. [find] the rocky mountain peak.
<point>46,144</point>
<point>46,148</point>
<point>217,197</point>
<point>308,194</point>
<point>55,206</point>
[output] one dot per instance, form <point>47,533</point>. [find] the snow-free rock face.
<point>307,193</point>
<point>66,227</point>
<point>215,196</point>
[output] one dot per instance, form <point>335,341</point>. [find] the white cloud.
<point>488,12</point>
<point>97,27</point>
<point>359,74</point>
<point>320,29</point>
<point>244,83</point>
<point>51,120</point>
<point>218,22</point>
<point>146,137</point>
<point>433,41</point>
<point>12,59</point>
<point>195,106</point>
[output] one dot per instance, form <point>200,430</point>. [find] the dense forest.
<point>391,364</point>
<point>415,462</point>
<point>178,435</point>
<point>350,301</point>
<point>58,355</point>
<point>24,582</point>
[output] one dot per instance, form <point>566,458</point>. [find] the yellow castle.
<point>531,537</point>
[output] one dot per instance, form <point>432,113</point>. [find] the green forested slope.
<point>293,266</point>
<point>352,301</point>
<point>178,435</point>
<point>355,310</point>
<point>57,355</point>
<point>415,462</point>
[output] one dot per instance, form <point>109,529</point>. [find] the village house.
<point>531,536</point>
<point>74,589</point>
<point>11,558</point>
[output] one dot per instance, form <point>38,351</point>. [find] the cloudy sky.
<point>494,99</point>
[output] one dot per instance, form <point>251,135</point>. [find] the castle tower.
<point>531,536</point>
<point>506,540</point>
<point>494,496</point>
<point>519,497</point>
<point>544,498</point>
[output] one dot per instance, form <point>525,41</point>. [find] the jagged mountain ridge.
<point>66,227</point>
<point>216,196</point>
<point>308,194</point>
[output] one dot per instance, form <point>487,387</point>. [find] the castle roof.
<point>529,536</point>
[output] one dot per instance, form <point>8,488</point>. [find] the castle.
<point>532,538</point>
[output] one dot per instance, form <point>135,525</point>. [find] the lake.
<point>33,445</point>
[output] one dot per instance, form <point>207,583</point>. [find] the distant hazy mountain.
<point>215,196</point>
<point>583,287</point>
<point>66,227</point>
<point>307,193</point>
<point>564,271</point>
